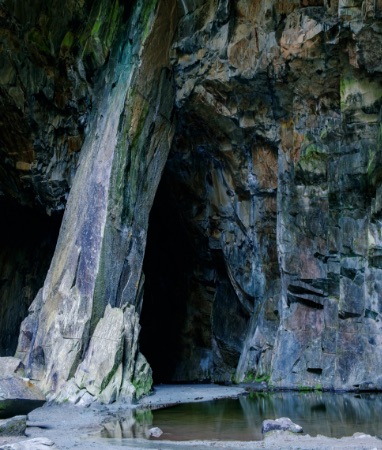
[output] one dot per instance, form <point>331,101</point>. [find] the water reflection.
<point>133,424</point>
<point>329,414</point>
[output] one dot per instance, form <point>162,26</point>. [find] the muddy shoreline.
<point>72,427</point>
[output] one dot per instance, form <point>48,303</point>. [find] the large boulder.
<point>15,426</point>
<point>14,388</point>
<point>282,424</point>
<point>31,444</point>
<point>17,394</point>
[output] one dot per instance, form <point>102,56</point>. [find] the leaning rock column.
<point>93,286</point>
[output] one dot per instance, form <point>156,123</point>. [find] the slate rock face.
<point>95,279</point>
<point>279,117</point>
<point>50,53</point>
<point>265,120</point>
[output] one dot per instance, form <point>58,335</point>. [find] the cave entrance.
<point>167,267</point>
<point>193,324</point>
<point>27,242</point>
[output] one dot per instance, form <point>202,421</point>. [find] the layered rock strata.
<point>81,338</point>
<point>272,111</point>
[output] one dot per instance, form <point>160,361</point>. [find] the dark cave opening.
<point>27,242</point>
<point>193,324</point>
<point>167,265</point>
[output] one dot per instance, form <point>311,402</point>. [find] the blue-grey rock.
<point>282,424</point>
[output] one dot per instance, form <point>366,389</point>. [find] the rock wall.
<point>80,339</point>
<point>277,157</point>
<point>267,116</point>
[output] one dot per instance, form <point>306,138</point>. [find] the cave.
<point>27,241</point>
<point>261,124</point>
<point>186,333</point>
<point>167,266</point>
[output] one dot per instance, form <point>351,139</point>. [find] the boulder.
<point>15,426</point>
<point>155,432</point>
<point>12,388</point>
<point>9,366</point>
<point>282,424</point>
<point>31,444</point>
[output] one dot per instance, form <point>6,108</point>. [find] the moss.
<point>67,42</point>
<point>249,377</point>
<point>132,172</point>
<point>100,31</point>
<point>96,27</point>
<point>312,150</point>
<point>303,388</point>
<point>112,21</point>
<point>147,12</point>
<point>359,92</point>
<point>262,377</point>
<point>144,416</point>
<point>142,386</point>
<point>36,38</point>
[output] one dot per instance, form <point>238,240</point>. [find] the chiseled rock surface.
<point>102,375</point>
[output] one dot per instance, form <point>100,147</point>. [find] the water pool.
<point>328,414</point>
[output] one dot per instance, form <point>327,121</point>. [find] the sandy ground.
<point>71,427</point>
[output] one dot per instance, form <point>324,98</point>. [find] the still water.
<point>324,413</point>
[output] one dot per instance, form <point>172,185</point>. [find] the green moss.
<point>343,86</point>
<point>36,38</point>
<point>132,173</point>
<point>303,388</point>
<point>96,27</point>
<point>68,41</point>
<point>249,377</point>
<point>144,416</point>
<point>262,377</point>
<point>100,31</point>
<point>112,21</point>
<point>142,386</point>
<point>313,150</point>
<point>147,12</point>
